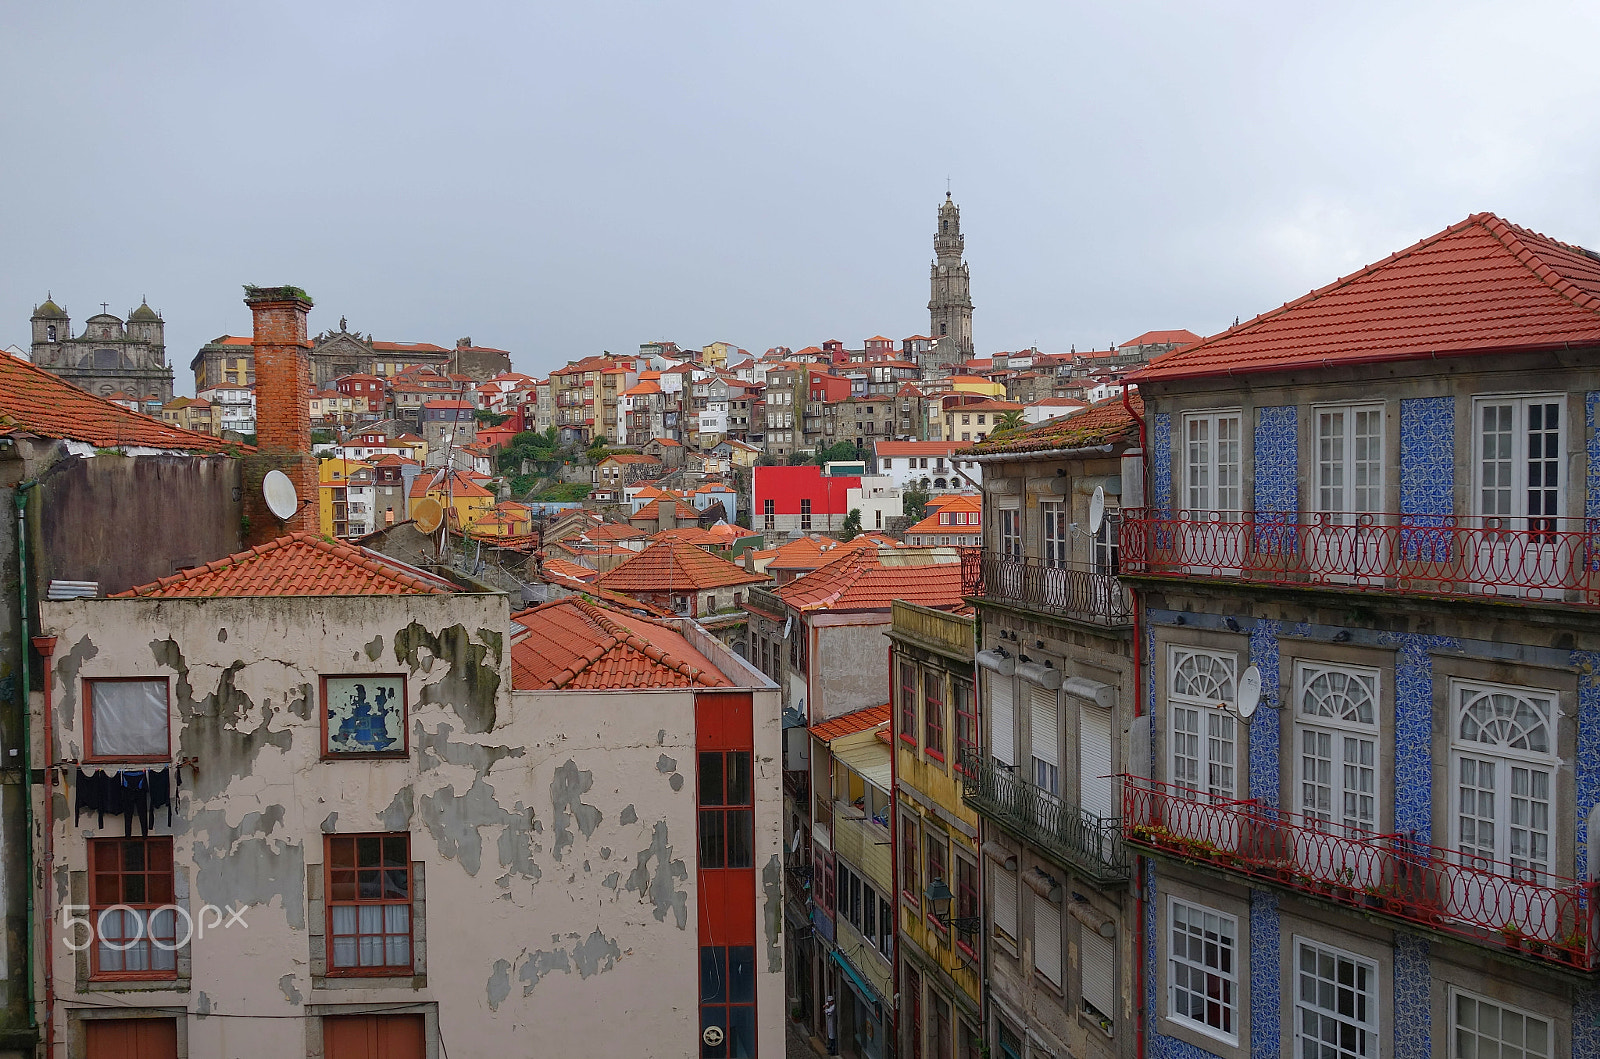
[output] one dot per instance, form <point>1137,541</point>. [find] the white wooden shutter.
<point>1046,728</point>
<point>1002,721</point>
<point>1094,761</point>
<point>1047,939</point>
<point>1098,970</point>
<point>1004,885</point>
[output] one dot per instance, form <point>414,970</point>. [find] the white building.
<point>906,463</point>
<point>238,404</point>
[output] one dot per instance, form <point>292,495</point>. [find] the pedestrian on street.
<point>831,1026</point>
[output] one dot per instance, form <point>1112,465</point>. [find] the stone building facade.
<point>109,356</point>
<point>950,302</point>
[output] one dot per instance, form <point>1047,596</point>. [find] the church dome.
<point>50,308</point>
<point>143,312</point>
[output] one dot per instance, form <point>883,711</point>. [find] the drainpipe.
<point>1140,970</point>
<point>894,851</point>
<point>46,646</point>
<point>20,494</point>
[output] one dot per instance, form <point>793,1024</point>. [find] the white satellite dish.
<point>1097,509</point>
<point>1249,692</point>
<point>278,491</point>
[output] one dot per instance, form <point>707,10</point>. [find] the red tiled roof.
<point>630,457</point>
<point>1480,286</point>
<point>409,347</point>
<point>672,565</point>
<point>34,401</point>
<point>651,512</point>
<point>690,535</point>
<point>857,578</point>
<point>916,448</point>
<point>1098,424</point>
<point>299,564</point>
<point>851,723</point>
<point>962,502</point>
<point>1161,338</point>
<point>462,484</point>
<point>572,570</point>
<point>577,643</point>
<point>613,531</point>
<point>802,553</point>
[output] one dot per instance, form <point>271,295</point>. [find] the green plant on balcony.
<point>1512,935</point>
<point>1574,947</point>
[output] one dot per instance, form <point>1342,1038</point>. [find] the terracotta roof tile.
<point>34,401</point>
<point>572,570</point>
<point>865,575</point>
<point>851,723</point>
<point>671,566</point>
<point>802,553</point>
<point>960,502</point>
<point>299,564</point>
<point>1098,424</point>
<point>1154,338</point>
<point>1480,286</point>
<point>575,643</point>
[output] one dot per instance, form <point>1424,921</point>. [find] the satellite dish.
<point>1249,692</point>
<point>429,515</point>
<point>278,491</point>
<point>1097,509</point>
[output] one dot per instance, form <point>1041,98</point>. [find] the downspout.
<point>20,493</point>
<point>1140,970</point>
<point>46,646</point>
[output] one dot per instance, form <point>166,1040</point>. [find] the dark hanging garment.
<point>161,792</point>
<point>98,793</point>
<point>135,801</point>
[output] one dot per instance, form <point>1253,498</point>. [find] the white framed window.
<point>1202,969</point>
<point>1054,517</point>
<point>1337,713</point>
<point>1011,533</point>
<point>1201,694</point>
<point>1044,715</point>
<point>1503,763</point>
<point>1482,1028</point>
<point>1517,461</point>
<point>1105,548</point>
<point>1349,460</point>
<point>1212,477</point>
<point>1336,1004</point>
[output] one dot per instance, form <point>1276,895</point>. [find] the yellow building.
<point>977,384</point>
<point>346,494</point>
<point>189,413</point>
<point>935,728</point>
<point>507,519</point>
<point>715,356</point>
<point>465,495</point>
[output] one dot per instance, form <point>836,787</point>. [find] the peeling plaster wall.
<point>558,850</point>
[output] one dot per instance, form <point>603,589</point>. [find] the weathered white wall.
<point>556,829</point>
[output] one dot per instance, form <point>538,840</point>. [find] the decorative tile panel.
<point>1427,475</point>
<point>1161,464</point>
<point>1413,730</point>
<point>1264,726</point>
<point>1586,1024</point>
<point>1413,980</point>
<point>1587,779</point>
<point>1591,500</point>
<point>1276,460</point>
<point>1159,1045</point>
<point>1265,986</point>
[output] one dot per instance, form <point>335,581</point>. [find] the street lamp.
<point>939,898</point>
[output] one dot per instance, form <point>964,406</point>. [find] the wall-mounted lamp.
<point>939,899</point>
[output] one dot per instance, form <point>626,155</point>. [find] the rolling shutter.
<point>1098,971</point>
<point>1046,729</point>
<point>1094,762</point>
<point>1047,939</point>
<point>1002,721</point>
<point>1004,885</point>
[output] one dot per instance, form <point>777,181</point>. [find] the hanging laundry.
<point>99,793</point>
<point>132,794</point>
<point>135,801</point>
<point>161,790</point>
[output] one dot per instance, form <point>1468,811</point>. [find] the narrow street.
<point>800,1044</point>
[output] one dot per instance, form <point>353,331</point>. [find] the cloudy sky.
<point>563,178</point>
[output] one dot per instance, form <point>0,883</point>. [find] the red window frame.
<point>88,719</point>
<point>909,890</point>
<point>908,702</point>
<point>349,869</point>
<point>966,720</point>
<point>937,865</point>
<point>726,815</point>
<point>967,906</point>
<point>134,873</point>
<point>933,715</point>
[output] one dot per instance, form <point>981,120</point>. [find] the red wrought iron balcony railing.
<point>1070,590</point>
<point>1515,907</point>
<point>1547,558</point>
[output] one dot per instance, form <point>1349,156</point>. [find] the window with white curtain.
<point>128,719</point>
<point>1503,762</point>
<point>1212,465</point>
<point>1201,693</point>
<point>1338,736</point>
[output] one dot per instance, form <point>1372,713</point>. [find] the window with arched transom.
<point>1201,690</point>
<point>1336,737</point>
<point>1503,765</point>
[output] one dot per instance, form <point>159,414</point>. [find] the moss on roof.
<point>143,312</point>
<point>49,308</point>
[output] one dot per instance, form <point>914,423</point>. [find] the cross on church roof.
<point>105,307</point>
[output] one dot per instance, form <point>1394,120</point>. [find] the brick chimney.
<point>283,419</point>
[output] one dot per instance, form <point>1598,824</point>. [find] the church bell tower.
<point>950,304</point>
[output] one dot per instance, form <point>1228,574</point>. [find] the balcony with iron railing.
<point>1091,845</point>
<point>1544,559</point>
<point>1517,908</point>
<point>1070,590</point>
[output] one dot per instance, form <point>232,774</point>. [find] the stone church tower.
<point>950,305</point>
<point>109,357</point>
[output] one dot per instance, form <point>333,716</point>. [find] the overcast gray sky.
<point>562,178</point>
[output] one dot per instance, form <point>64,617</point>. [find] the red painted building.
<point>800,499</point>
